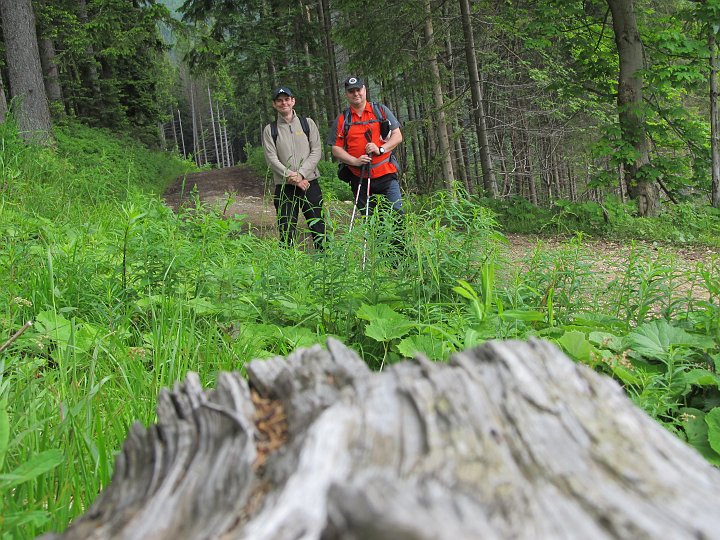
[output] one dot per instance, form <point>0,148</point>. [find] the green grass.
<point>126,297</point>
<point>689,222</point>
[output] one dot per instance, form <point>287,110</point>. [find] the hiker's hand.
<point>299,181</point>
<point>363,160</point>
<point>372,148</point>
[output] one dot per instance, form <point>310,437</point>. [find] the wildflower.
<point>137,353</point>
<point>624,361</point>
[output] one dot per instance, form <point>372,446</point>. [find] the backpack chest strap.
<point>385,160</point>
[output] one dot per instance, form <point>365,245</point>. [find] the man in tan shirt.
<point>292,150</point>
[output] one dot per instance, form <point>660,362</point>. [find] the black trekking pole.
<point>368,138</point>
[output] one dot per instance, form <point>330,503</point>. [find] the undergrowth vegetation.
<point>125,297</point>
<point>686,222</point>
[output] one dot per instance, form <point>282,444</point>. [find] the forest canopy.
<point>556,100</point>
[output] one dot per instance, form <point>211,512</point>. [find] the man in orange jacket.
<point>361,140</point>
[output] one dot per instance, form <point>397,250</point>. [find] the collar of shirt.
<point>368,109</point>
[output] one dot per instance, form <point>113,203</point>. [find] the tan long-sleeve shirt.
<point>293,150</point>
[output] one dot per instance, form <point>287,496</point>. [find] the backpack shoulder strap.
<point>303,122</point>
<point>274,131</point>
<point>347,117</point>
<point>378,111</point>
<point>305,126</point>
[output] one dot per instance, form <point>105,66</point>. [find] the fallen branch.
<point>15,336</point>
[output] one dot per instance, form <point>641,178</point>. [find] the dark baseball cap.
<point>353,82</point>
<point>281,90</point>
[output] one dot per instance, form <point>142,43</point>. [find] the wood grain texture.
<point>508,440</point>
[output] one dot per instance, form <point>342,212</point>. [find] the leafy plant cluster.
<point>125,297</point>
<point>686,222</point>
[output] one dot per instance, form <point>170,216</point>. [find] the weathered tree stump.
<point>508,440</point>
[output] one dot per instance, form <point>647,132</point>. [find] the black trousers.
<point>288,200</point>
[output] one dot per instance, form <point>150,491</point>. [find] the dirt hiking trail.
<point>240,190</point>
<point>246,192</point>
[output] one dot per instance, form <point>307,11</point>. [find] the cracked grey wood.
<point>508,440</point>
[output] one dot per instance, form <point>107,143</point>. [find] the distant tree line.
<point>544,100</point>
<point>102,62</point>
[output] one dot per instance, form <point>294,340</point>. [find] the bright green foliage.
<point>251,47</point>
<point>660,340</point>
<point>111,62</point>
<point>126,297</point>
<point>690,222</point>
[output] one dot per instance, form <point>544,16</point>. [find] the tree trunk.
<point>323,8</point>
<point>89,69</point>
<point>414,144</point>
<point>478,107</point>
<point>24,71</point>
<point>441,127</point>
<point>220,135</point>
<point>226,143</point>
<point>714,120</point>
<point>307,23</point>
<point>454,129</point>
<point>3,101</point>
<point>196,141</point>
<point>51,75</point>
<point>174,129</point>
<point>182,136</point>
<point>215,137</point>
<point>508,440</point>
<point>630,103</point>
<point>201,135</point>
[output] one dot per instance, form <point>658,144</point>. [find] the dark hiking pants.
<point>388,187</point>
<point>289,200</point>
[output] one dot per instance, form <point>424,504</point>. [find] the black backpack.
<point>303,122</point>
<point>380,116</point>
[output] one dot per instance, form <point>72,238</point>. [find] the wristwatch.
<point>381,150</point>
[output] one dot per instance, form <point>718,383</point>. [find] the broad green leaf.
<point>4,432</point>
<point>57,327</point>
<point>712,419</point>
<point>465,290</point>
<point>299,336</point>
<point>385,323</point>
<point>625,375</point>
<point>523,315</point>
<point>697,434</point>
<point>296,310</point>
<point>431,347</point>
<point>606,340</point>
<point>656,339</point>
<point>203,306</point>
<point>14,520</point>
<point>597,320</point>
<point>702,377</point>
<point>147,302</point>
<point>32,468</point>
<point>576,345</point>
<point>716,361</point>
<point>472,338</point>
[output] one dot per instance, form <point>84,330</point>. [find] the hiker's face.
<point>283,103</point>
<point>356,96</point>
